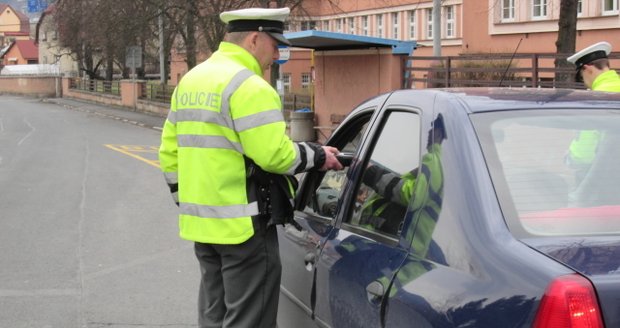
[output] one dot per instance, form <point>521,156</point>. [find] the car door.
<point>317,202</point>
<point>363,251</point>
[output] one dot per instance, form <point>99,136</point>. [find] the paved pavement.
<point>127,115</point>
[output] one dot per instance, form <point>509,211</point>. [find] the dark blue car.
<point>462,208</point>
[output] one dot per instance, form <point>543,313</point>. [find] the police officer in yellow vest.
<point>225,124</point>
<point>593,69</point>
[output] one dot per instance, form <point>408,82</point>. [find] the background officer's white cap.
<point>590,54</point>
<point>266,20</point>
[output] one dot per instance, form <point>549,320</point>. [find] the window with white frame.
<point>305,80</point>
<point>339,25</point>
<point>326,25</point>
<point>508,10</point>
<point>579,7</point>
<point>352,25</point>
<point>413,25</point>
<point>429,23</point>
<point>379,25</point>
<point>365,25</point>
<point>610,6</point>
<point>396,26</point>
<point>286,82</point>
<point>450,23</point>
<point>539,9</point>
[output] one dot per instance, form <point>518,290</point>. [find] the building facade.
<point>466,27</point>
<point>14,25</point>
<point>49,50</point>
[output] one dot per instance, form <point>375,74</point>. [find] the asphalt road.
<point>88,231</point>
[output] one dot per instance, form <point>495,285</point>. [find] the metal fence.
<point>100,86</point>
<point>156,92</point>
<point>475,70</point>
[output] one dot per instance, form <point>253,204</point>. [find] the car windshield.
<point>556,172</point>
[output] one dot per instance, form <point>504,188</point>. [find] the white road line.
<point>38,292</point>
<point>32,129</point>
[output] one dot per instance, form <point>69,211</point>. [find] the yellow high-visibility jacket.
<point>221,112</point>
<point>583,148</point>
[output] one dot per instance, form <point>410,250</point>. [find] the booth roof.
<point>322,41</point>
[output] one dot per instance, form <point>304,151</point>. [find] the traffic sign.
<point>35,6</point>
<point>133,57</point>
<point>285,54</point>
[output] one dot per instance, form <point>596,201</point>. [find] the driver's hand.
<point>331,162</point>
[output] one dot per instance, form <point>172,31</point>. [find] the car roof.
<point>476,100</point>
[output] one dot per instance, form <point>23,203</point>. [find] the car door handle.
<point>375,291</point>
<point>309,260</point>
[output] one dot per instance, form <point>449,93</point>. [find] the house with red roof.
<point>20,52</point>
<point>14,25</point>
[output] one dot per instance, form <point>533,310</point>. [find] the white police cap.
<point>590,54</point>
<point>269,20</point>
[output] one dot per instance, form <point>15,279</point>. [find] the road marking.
<point>38,292</point>
<point>131,150</point>
<point>32,129</point>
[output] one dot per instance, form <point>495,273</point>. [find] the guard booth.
<point>349,69</point>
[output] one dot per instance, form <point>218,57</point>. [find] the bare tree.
<point>98,32</point>
<point>72,19</point>
<point>567,35</point>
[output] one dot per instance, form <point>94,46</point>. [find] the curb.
<point>99,113</point>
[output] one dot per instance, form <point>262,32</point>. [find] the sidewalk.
<point>118,113</point>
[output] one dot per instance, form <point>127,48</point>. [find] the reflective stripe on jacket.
<point>221,111</point>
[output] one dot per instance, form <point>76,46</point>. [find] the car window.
<point>324,199</point>
<point>387,180</point>
<point>561,169</point>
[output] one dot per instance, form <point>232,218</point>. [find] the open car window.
<point>556,172</point>
<point>327,187</point>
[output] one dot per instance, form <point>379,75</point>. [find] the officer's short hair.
<point>236,37</point>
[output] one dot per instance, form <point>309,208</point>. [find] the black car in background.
<point>462,208</point>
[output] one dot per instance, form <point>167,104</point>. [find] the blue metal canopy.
<point>322,40</point>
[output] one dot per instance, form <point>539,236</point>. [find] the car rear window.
<point>556,172</point>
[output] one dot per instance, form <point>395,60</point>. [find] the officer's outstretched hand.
<point>331,162</point>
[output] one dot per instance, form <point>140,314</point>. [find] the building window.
<point>379,25</point>
<point>305,80</point>
<point>429,23</point>
<point>286,82</point>
<point>539,9</point>
<point>339,25</point>
<point>579,7</point>
<point>325,25</point>
<point>395,26</point>
<point>365,25</point>
<point>308,25</point>
<point>412,25</point>
<point>610,6</point>
<point>352,25</point>
<point>508,10</point>
<point>450,24</point>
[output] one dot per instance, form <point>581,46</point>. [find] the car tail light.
<point>569,302</point>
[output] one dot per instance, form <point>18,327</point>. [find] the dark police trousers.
<point>240,284</point>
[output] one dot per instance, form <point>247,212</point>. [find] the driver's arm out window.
<point>324,199</point>
<point>389,177</point>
